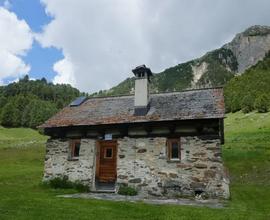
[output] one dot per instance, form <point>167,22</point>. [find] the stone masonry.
<point>142,163</point>
<point>58,164</point>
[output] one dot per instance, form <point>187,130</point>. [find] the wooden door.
<point>106,161</point>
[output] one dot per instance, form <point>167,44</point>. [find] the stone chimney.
<point>141,99</point>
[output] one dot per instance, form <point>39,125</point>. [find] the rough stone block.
<point>200,166</point>
<point>141,151</point>
<point>135,180</point>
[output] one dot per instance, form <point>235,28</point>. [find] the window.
<point>108,153</point>
<point>173,149</point>
<point>75,149</point>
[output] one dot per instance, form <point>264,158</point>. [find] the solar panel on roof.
<point>78,101</point>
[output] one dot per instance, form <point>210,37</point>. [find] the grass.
<point>19,137</point>
<point>246,154</point>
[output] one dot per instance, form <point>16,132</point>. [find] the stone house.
<point>166,144</point>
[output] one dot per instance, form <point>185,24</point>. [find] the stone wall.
<point>142,163</point>
<point>58,164</point>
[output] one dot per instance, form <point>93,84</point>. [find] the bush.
<point>64,183</point>
<point>262,103</point>
<point>80,187</point>
<point>127,191</point>
<point>60,183</point>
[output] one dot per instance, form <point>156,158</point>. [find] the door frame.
<point>98,150</point>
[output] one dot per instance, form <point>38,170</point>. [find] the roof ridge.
<point>161,93</point>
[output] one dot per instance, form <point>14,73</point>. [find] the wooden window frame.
<point>170,141</point>
<point>73,143</point>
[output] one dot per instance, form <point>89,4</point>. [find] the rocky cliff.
<point>250,46</point>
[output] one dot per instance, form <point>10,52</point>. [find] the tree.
<point>247,104</point>
<point>36,112</point>
<point>3,101</point>
<point>235,104</point>
<point>9,115</point>
<point>31,102</point>
<point>25,78</point>
<point>43,79</point>
<point>262,103</point>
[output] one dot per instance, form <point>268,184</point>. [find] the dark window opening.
<point>77,149</point>
<point>75,146</point>
<point>173,149</point>
<point>108,153</point>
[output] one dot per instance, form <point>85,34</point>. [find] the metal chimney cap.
<point>142,69</point>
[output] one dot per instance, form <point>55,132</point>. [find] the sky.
<point>95,44</point>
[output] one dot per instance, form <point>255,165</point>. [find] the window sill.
<point>73,159</point>
<point>174,161</point>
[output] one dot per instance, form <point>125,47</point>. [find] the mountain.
<point>250,46</point>
<point>251,90</point>
<point>213,69</point>
<point>29,103</point>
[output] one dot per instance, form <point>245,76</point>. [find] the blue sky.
<point>94,44</point>
<point>40,59</point>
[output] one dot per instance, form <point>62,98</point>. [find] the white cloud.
<point>65,72</point>
<point>15,40</point>
<point>105,39</point>
<point>11,65</point>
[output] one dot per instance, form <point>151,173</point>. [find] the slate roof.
<point>192,104</point>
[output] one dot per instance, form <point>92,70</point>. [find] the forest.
<point>251,90</point>
<point>28,103</point>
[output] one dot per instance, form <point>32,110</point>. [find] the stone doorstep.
<point>104,191</point>
<point>211,203</point>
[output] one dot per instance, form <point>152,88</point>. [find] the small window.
<point>75,149</point>
<point>173,149</point>
<point>108,153</point>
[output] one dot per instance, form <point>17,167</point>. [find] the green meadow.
<point>246,154</point>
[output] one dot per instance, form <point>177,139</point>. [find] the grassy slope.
<point>246,154</point>
<point>18,137</point>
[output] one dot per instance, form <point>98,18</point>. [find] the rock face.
<point>250,46</point>
<point>198,71</point>
<point>142,163</point>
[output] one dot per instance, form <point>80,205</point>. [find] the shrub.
<point>262,103</point>
<point>80,187</point>
<point>127,191</point>
<point>60,183</point>
<point>64,183</point>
